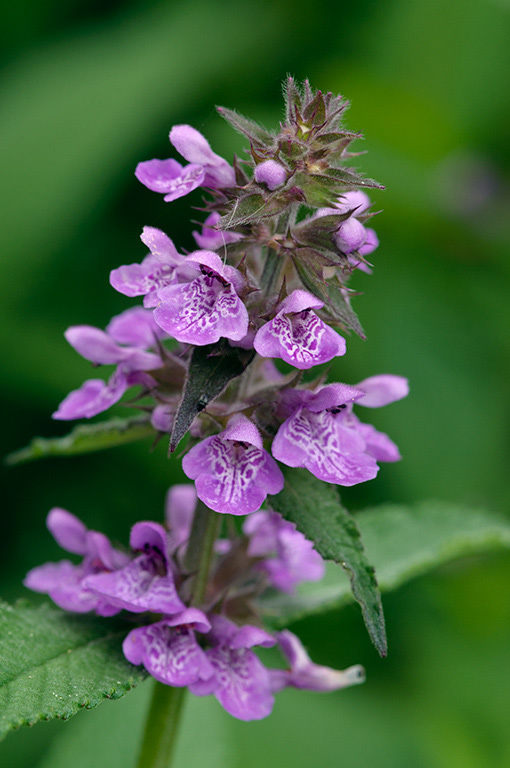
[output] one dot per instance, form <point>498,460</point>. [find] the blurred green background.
<point>88,89</point>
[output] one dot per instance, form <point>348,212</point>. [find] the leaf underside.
<point>85,438</point>
<point>53,664</point>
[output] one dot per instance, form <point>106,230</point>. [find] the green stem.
<point>162,726</point>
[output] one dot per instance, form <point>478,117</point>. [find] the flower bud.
<point>270,173</point>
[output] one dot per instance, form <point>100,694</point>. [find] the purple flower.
<point>351,234</point>
<point>289,557</point>
<point>210,239</point>
<point>195,149</point>
<point>240,681</point>
<point>303,673</point>
<point>297,335</point>
<point>169,177</point>
<point>271,174</point>
<point>125,342</point>
<point>147,582</point>
<point>323,435</point>
<point>155,271</point>
<point>180,505</point>
<point>207,307</point>
<point>169,650</point>
<point>64,581</point>
<point>232,471</point>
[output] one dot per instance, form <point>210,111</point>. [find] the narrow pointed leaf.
<point>402,542</point>
<point>255,132</point>
<point>211,368</point>
<point>53,664</point>
<point>315,508</point>
<point>330,292</point>
<point>85,438</point>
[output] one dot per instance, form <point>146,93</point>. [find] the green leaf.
<point>255,132</point>
<point>253,207</point>
<point>330,292</point>
<point>85,438</point>
<point>52,664</point>
<point>210,370</point>
<point>403,543</point>
<point>315,508</point>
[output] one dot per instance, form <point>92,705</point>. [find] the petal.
<point>93,397</point>
<point>170,655</point>
<point>135,327</point>
<point>169,177</point>
<point>232,478</point>
<point>302,340</point>
<point>243,683</point>
<point>379,444</point>
<point>299,300</point>
<point>382,390</point>
<point>202,311</point>
<point>160,245</point>
<point>241,429</point>
<point>210,238</point>
<point>68,531</point>
<point>140,279</point>
<point>313,677</point>
<point>63,582</point>
<point>320,443</point>
<point>95,345</point>
<point>180,505</point>
<point>138,587</point>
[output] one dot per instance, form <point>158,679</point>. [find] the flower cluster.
<point>269,277</point>
<point>221,347</point>
<point>195,646</point>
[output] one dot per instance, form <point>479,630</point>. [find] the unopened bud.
<point>270,173</point>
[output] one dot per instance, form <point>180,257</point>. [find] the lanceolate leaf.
<point>330,292</point>
<point>255,132</point>
<point>85,438</point>
<point>52,664</point>
<point>210,370</point>
<point>402,542</point>
<point>315,508</point>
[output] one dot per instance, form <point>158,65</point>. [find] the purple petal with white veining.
<point>243,685</point>
<point>321,443</point>
<point>231,476</point>
<point>301,339</point>
<point>170,654</point>
<point>204,310</point>
<point>142,585</point>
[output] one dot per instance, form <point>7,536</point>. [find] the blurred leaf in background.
<point>88,89</point>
